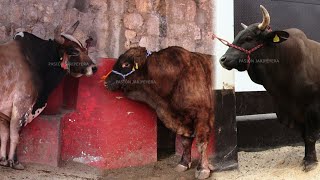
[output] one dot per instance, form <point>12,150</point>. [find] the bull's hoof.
<point>4,162</point>
<point>16,165</point>
<point>184,133</point>
<point>309,165</point>
<point>182,168</point>
<point>210,166</point>
<point>202,173</point>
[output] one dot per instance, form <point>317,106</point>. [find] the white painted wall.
<point>223,26</point>
<point>244,83</point>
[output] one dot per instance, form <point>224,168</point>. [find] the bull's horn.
<point>72,28</point>
<point>57,34</point>
<point>266,18</point>
<point>244,26</point>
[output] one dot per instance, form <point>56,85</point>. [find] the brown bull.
<point>30,68</point>
<point>177,84</point>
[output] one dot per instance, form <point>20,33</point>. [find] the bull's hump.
<point>19,34</point>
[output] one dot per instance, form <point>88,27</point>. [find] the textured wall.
<point>115,25</point>
<point>158,24</point>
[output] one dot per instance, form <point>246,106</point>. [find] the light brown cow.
<point>30,68</point>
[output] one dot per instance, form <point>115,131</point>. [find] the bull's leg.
<point>163,112</point>
<point>171,122</point>
<point>21,111</point>
<point>185,162</point>
<point>202,138</point>
<point>310,158</point>
<point>14,140</point>
<point>310,135</point>
<point>4,135</point>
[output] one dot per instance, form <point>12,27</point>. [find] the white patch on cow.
<point>71,38</point>
<point>36,114</point>
<point>89,71</point>
<point>19,34</point>
<point>38,111</point>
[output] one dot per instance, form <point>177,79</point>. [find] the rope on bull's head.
<point>248,52</point>
<point>104,77</point>
<point>136,66</point>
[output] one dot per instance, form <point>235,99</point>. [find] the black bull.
<point>292,79</point>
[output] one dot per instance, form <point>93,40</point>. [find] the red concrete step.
<point>40,141</point>
<point>107,130</point>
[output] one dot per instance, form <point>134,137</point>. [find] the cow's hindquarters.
<point>19,93</point>
<point>4,136</point>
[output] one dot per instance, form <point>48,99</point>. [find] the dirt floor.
<point>70,171</point>
<point>283,163</point>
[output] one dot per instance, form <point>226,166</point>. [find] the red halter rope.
<point>248,52</point>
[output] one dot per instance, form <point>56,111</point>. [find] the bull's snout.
<point>112,82</point>
<point>111,86</point>
<point>90,70</point>
<point>94,69</point>
<point>223,59</point>
<point>229,62</point>
<point>225,63</point>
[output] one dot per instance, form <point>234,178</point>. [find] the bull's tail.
<point>4,117</point>
<point>211,119</point>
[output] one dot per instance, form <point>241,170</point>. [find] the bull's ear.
<point>89,42</point>
<point>277,36</point>
<point>141,57</point>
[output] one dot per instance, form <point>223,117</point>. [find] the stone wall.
<point>115,25</point>
<point>157,24</point>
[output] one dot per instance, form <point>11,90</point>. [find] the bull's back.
<point>165,68</point>
<point>295,81</point>
<point>184,74</point>
<point>16,78</point>
<point>13,65</point>
<point>194,88</point>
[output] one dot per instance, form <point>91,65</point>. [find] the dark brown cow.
<point>30,69</point>
<point>177,84</point>
<point>288,66</point>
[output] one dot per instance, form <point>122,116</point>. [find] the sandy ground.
<point>70,171</point>
<point>283,163</point>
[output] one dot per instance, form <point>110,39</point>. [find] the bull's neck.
<point>47,57</point>
<point>52,77</point>
<point>267,63</point>
<point>44,60</point>
<point>254,74</point>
